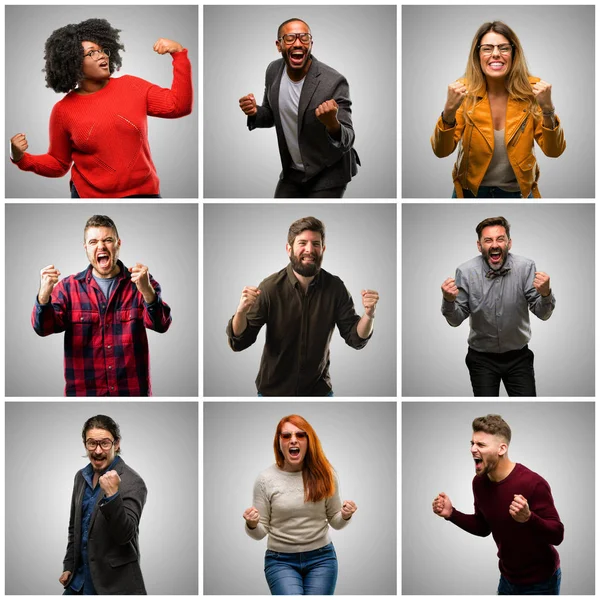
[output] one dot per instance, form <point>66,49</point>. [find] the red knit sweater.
<point>526,550</point>
<point>105,134</point>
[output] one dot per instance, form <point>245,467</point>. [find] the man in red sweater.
<point>515,505</point>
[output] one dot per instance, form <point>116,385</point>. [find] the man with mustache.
<point>309,104</point>
<point>496,291</point>
<point>103,553</point>
<point>300,305</point>
<point>104,312</point>
<point>516,506</point>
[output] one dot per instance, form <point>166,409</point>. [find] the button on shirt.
<point>497,307</point>
<point>83,576</point>
<point>295,359</point>
<point>106,346</point>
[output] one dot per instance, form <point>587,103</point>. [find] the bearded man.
<point>496,291</point>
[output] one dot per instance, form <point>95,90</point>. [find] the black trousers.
<point>289,189</point>
<point>513,368</point>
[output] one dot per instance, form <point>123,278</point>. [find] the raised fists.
<point>164,46</point>
<point>442,506</point>
<point>248,105</point>
<point>18,145</point>
<point>252,517</point>
<point>449,290</point>
<point>48,279</point>
<point>249,297</point>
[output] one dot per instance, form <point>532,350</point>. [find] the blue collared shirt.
<point>83,576</point>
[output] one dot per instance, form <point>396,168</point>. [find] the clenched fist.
<point>541,282</point>
<point>449,290</point>
<point>64,577</point>
<point>249,297</point>
<point>327,114</point>
<point>164,46</point>
<point>369,300</point>
<point>248,105</point>
<point>18,145</point>
<point>109,482</point>
<point>252,517</point>
<point>442,505</point>
<point>519,509</point>
<point>141,277</point>
<point>48,279</point>
<point>348,509</point>
<point>542,91</point>
<point>457,92</point>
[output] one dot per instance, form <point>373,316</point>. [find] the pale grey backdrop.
<point>437,238</point>
<point>559,46</point>
<point>162,236</point>
<point>239,43</point>
<point>359,440</point>
<point>174,142</point>
<point>245,243</point>
<point>554,439</point>
<point>44,450</point>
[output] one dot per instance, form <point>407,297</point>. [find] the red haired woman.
<point>294,502</point>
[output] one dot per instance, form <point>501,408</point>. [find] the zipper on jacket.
<point>514,138</point>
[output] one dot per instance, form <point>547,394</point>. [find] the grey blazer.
<point>114,555</point>
<point>328,163</point>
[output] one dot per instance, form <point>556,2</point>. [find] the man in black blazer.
<point>103,555</point>
<point>309,104</point>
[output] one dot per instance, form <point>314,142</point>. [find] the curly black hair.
<point>64,52</point>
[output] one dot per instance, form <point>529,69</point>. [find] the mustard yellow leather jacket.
<point>473,132</point>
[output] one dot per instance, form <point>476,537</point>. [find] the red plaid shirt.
<point>106,347</point>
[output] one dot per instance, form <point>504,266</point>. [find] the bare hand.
<point>449,290</point>
<point>442,505</point>
<point>48,279</point>
<point>164,46</point>
<point>457,92</point>
<point>18,145</point>
<point>542,91</point>
<point>327,114</point>
<point>348,509</point>
<point>541,283</point>
<point>109,482</point>
<point>64,577</point>
<point>252,517</point>
<point>249,297</point>
<point>141,277</point>
<point>369,300</point>
<point>248,105</point>
<point>519,509</point>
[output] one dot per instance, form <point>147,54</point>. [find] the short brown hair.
<point>493,424</point>
<point>490,222</point>
<point>304,224</point>
<point>100,221</point>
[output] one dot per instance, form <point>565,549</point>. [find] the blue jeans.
<point>491,192</point>
<point>550,587</point>
<point>302,573</point>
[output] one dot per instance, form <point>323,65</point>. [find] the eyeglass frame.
<point>512,47</point>
<point>99,443</point>
<point>106,53</point>
<point>297,37</point>
<point>303,435</point>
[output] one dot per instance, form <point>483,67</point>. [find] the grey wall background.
<point>245,243</point>
<point>359,440</point>
<point>435,47</point>
<point>174,142</point>
<point>438,238</point>
<point>164,237</point>
<point>554,439</point>
<point>239,43</point>
<point>44,450</point>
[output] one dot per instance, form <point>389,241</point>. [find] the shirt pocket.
<point>129,322</point>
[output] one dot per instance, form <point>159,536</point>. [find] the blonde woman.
<point>493,114</point>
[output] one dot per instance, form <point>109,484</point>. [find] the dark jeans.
<point>289,189</point>
<point>329,395</point>
<point>302,573</point>
<point>74,194</point>
<point>550,587</point>
<point>69,592</point>
<point>491,192</point>
<point>513,368</point>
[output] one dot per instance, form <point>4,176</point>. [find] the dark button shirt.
<point>295,359</point>
<point>83,576</point>
<point>497,307</point>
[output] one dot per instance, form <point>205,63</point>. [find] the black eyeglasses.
<point>487,49</point>
<point>300,435</point>
<point>95,54</point>
<point>290,38</point>
<point>105,444</point>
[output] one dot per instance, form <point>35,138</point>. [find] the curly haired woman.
<point>494,114</point>
<point>101,125</point>
<point>294,500</point>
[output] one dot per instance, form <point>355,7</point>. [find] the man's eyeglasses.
<point>105,444</point>
<point>290,38</point>
<point>300,435</point>
<point>95,54</point>
<point>487,49</point>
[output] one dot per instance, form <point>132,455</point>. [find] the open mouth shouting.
<point>103,64</point>
<point>496,256</point>
<point>478,464</point>
<point>103,260</point>
<point>297,57</point>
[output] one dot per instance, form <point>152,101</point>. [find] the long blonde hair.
<point>517,82</point>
